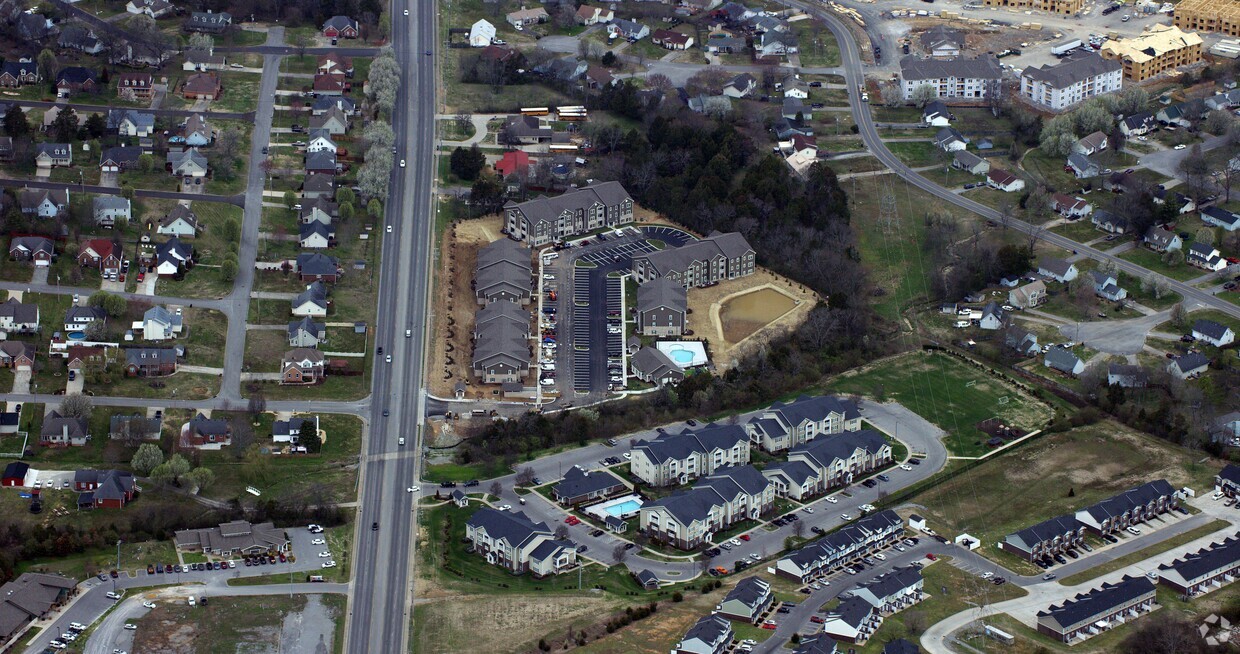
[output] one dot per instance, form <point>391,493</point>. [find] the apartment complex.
<point>1205,570</point>
<point>1074,80</point>
<point>783,426</point>
<point>1160,48</point>
<point>1089,614</point>
<point>549,219</point>
<point>835,550</point>
<point>512,541</point>
<point>1064,7</point>
<point>844,458</point>
<point>690,518</point>
<point>952,78</point>
<point>1209,16</point>
<point>673,459</point>
<point>699,263</point>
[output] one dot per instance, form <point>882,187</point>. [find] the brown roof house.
<point>202,86</point>
<point>150,361</point>
<point>17,354</point>
<point>135,86</point>
<point>32,596</point>
<point>302,366</point>
<point>237,538</point>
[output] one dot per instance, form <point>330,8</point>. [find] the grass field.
<point>1056,474</point>
<point>134,556</point>
<point>817,46</point>
<point>1153,261</point>
<point>1081,231</point>
<point>916,153</point>
<point>949,393</point>
<point>234,624</point>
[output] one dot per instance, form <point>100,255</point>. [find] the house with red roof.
<point>102,254</point>
<point>513,162</point>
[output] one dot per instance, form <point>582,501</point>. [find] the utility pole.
<point>118,563</point>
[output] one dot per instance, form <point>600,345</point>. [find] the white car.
<point>736,542</point>
<point>987,575</point>
<point>400,441</point>
<point>318,541</point>
<point>809,509</point>
<point>314,529</point>
<point>880,556</point>
<point>412,489</point>
<point>506,507</point>
<point>324,555</point>
<point>831,499</point>
<point>1133,530</point>
<point>845,516</point>
<point>389,229</point>
<point>1180,146</point>
<point>56,644</point>
<point>389,358</point>
<point>329,564</point>
<point>899,548</point>
<point>149,605</point>
<point>131,626</point>
<point>406,12</point>
<point>905,466</point>
<point>113,595</point>
<point>628,455</point>
<point>402,163</point>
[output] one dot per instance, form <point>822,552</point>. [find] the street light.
<point>118,563</point>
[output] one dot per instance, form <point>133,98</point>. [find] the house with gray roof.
<point>748,601</point>
<point>892,591</point>
<point>1082,166</point>
<point>306,333</point>
<point>949,139</point>
<point>993,317</point>
<point>131,122</point>
<point>1098,610</point>
<point>17,317</point>
<point>1107,286</point>
<point>1137,124</point>
<point>1205,256</point>
<point>549,219</point>
<point>1127,376</point>
<point>1188,365</point>
<point>32,596</point>
<point>1023,341</point>
<point>312,302</point>
<point>140,426</point>
<point>580,485</point>
<point>160,324</point>
<point>1063,360</point>
<point>672,459</point>
<point>208,22</point>
<point>1057,269</point>
<point>717,502</point>
<point>653,366</point>
<point>290,431</point>
<point>317,267</point>
<point>181,221</point>
<point>740,86</point>
<point>1132,506</point>
<point>512,541</point>
<point>315,235</point>
<point>785,425</point>
<point>503,271</point>
<point>1214,333</point>
<point>63,431</point>
<point>844,458</point>
<point>854,620</point>
<point>942,42</point>
<point>150,361</point>
<point>1205,570</point>
<point>501,343</point>
<point>187,163</point>
<point>108,209</point>
<point>1162,240</point>
<point>236,538</point>
<point>794,109</point>
<point>1220,217</point>
<point>44,203</point>
<point>699,263</point>
<point>711,634</point>
<point>662,306</point>
<point>78,318</point>
<point>822,644</point>
<point>969,162</point>
<point>951,78</point>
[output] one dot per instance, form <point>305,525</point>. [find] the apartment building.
<point>1047,538</point>
<point>1074,80</point>
<point>512,541</point>
<point>783,426</point>
<point>699,263</point>
<point>1089,614</point>
<point>748,601</point>
<point>1062,7</point>
<point>1221,16</point>
<point>546,220</point>
<point>1131,506</point>
<point>1205,570</point>
<point>952,78</point>
<point>894,591</point>
<point>835,550</point>
<point>712,634</point>
<point>1159,49</point>
<point>673,459</point>
<point>690,518</point>
<point>844,458</point>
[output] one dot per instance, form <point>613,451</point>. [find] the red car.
<point>817,620</point>
<point>141,276</point>
<point>744,536</point>
<point>769,625</point>
<point>932,557</point>
<point>1233,260</point>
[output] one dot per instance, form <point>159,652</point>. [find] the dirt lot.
<point>977,39</point>
<point>249,625</point>
<point>707,304</point>
<point>506,623</point>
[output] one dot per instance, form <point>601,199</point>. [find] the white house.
<point>1107,286</point>
<point>1004,180</point>
<point>160,324</point>
<point>993,317</point>
<point>180,222</point>
<point>711,634</point>
<point>1057,269</point>
<point>1220,217</point>
<point>1214,333</point>
<point>481,34</point>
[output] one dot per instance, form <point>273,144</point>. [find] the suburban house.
<point>662,304</point>
<point>79,318</point>
<point>628,30</point>
<point>151,8</point>
<point>1205,256</point>
<point>315,236</point>
<point>1098,610</point>
<point>63,431</point>
<point>1220,217</point>
<point>321,162</point>
<point>319,187</point>
<point>17,317</point>
<point>18,355</point>
<point>317,267</point>
<point>1082,166</point>
<point>15,472</point>
<point>1107,286</point>
<point>17,73</point>
<point>711,634</point>
<point>330,84</point>
<point>503,272</point>
<point>160,324</point>
<point>942,42</point>
<point>936,114</point>
<point>341,27</point>
<point>135,86</point>
<point>1023,341</point>
<point>1228,480</point>
<point>672,40</point>
<point>748,601</point>
<point>187,163</point>
<point>172,257</point>
<point>119,158</point>
<point>206,433</point>
<point>302,366</point>
<point>1075,79</point>
<point>1131,506</point>
<point>306,333</point>
<point>1057,269</point>
<point>1205,570</point>
<point>993,317</point>
<point>232,539</point>
<point>949,139</point>
<point>1063,360</point>
<point>698,263</point>
<point>44,203</point>
<point>102,254</point>
<point>512,541</point>
<point>141,427</point>
<point>1090,144</point>
<point>969,162</point>
<point>36,249</point>
<point>844,458</point>
<point>51,155</point>
<point>208,22</point>
<point>740,86</point>
<point>1188,365</point>
<point>782,426</point>
<point>548,219</point>
<point>580,485</point>
<point>653,366</point>
<point>1045,539</point>
<point>131,122</point>
<point>34,596</point>
<point>180,222</point>
<point>951,78</point>
<point>1070,207</point>
<point>588,15</point>
<point>523,17</point>
<point>501,343</point>
<point>197,131</point>
<point>794,87</point>
<point>689,518</point>
<point>1162,240</point>
<point>481,34</point>
<point>150,361</point>
<point>75,79</point>
<point>1214,333</point>
<point>311,302</point>
<point>717,44</point>
<point>202,86</point>
<point>1004,180</point>
<point>835,550</point>
<point>673,459</point>
<point>104,489</point>
<point>320,139</point>
<point>1127,376</point>
<point>1138,124</point>
<point>290,431</point>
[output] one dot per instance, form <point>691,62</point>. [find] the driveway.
<point>75,385</point>
<point>561,44</point>
<point>21,381</point>
<point>1115,336</point>
<point>110,179</point>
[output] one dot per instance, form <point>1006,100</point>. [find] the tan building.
<point>1221,16</point>
<point>1066,7</point>
<point>1158,49</point>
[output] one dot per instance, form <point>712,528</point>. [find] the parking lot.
<point>587,314</point>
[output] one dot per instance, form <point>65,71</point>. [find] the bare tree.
<point>1034,235</point>
<point>525,476</point>
<point>464,121</point>
<point>242,437</point>
<point>798,529</point>
<point>257,404</point>
<point>561,532</point>
<point>77,405</point>
<point>497,488</point>
<point>619,553</point>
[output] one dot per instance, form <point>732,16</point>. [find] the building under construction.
<point>1066,7</point>
<point>1221,16</point>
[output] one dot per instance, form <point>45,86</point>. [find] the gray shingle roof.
<point>652,362</point>
<point>1098,602</point>
<point>1210,328</point>
<point>1061,359</point>
<point>704,439</point>
<point>18,312</point>
<point>1206,560</point>
<point>662,293</point>
<point>1044,531</point>
<point>1190,361</point>
<point>841,446</point>
<point>513,527</point>
<point>1073,69</point>
<point>984,67</point>
<point>751,591</point>
<point>316,293</point>
<point>316,263</point>
<point>580,482</point>
<point>729,246</point>
<point>1130,499</point>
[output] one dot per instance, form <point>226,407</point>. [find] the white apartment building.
<point>1075,80</point>
<point>952,78</point>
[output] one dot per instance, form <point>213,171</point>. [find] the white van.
<point>192,601</point>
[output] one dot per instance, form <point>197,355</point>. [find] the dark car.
<point>471,483</point>
<point>581,548</point>
<point>448,484</point>
<point>1073,554</point>
<point>691,422</point>
<point>818,530</point>
<point>884,478</point>
<point>783,609</point>
<point>628,546</point>
<point>1059,558</point>
<point>374,526</point>
<point>869,483</point>
<point>150,569</point>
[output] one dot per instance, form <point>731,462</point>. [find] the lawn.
<point>949,393</point>
<point>1056,474</point>
<point>334,387</point>
<point>1081,231</point>
<point>232,624</point>
<point>264,349</point>
<point>134,556</point>
<point>1208,314</point>
<point>917,153</point>
<point>240,93</point>
<point>963,592</point>
<point>181,386</point>
<point>855,165</point>
<point>1152,260</point>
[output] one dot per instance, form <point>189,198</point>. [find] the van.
<point>315,578</point>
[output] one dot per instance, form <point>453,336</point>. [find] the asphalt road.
<point>382,596</point>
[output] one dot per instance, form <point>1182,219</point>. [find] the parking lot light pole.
<point>118,563</point>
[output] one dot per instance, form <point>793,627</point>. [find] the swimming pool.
<point>686,354</point>
<point>625,508</point>
<point>682,357</point>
